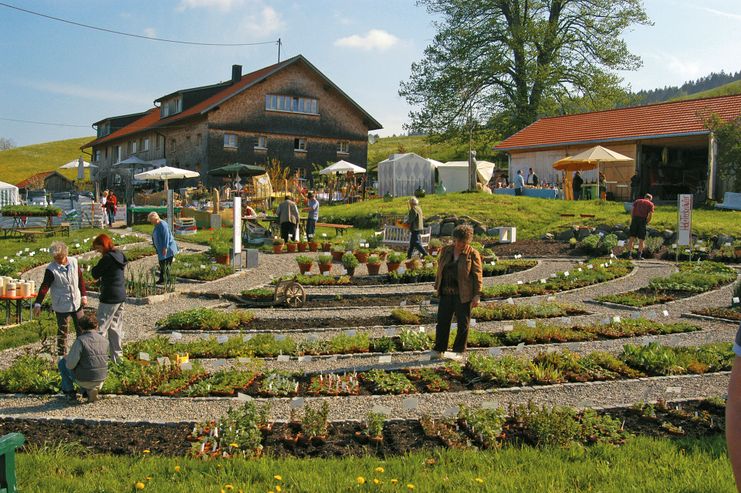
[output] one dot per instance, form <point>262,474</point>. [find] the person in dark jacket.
<point>576,184</point>
<point>111,207</point>
<point>415,223</point>
<point>63,278</point>
<point>109,272</point>
<point>86,364</point>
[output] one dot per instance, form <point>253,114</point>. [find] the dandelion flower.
<point>146,451</point>
<point>394,481</point>
<point>139,485</point>
<point>278,477</point>
<point>376,481</point>
<point>277,488</point>
<point>234,445</point>
<point>228,487</point>
<point>379,470</point>
<point>360,480</point>
<point>479,480</point>
<point>177,468</point>
<point>148,478</point>
<point>410,486</point>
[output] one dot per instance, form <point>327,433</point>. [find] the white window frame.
<point>297,144</point>
<point>262,142</point>
<point>145,144</point>
<point>117,154</point>
<point>291,104</point>
<point>97,155</point>
<point>343,147</point>
<point>134,146</point>
<point>230,141</point>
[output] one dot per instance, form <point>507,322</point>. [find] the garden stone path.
<point>164,409</point>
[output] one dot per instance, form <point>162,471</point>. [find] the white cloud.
<point>222,5</point>
<point>82,92</point>
<point>265,21</point>
<point>150,32</point>
<point>375,39</point>
<point>341,19</point>
<point>687,68</point>
<point>728,15</point>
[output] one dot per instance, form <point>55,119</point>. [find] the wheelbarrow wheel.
<point>295,296</point>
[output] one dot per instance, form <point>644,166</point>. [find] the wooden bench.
<point>339,229</point>
<point>33,234</point>
<point>62,228</point>
<point>396,236</point>
<point>8,444</point>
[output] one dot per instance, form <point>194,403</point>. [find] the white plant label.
<point>590,266</point>
<point>566,274</point>
<point>551,298</point>
<point>243,397</point>
<point>736,300</point>
<point>616,319</point>
<point>163,361</point>
<point>403,303</point>
<point>531,324</point>
<point>519,282</point>
<point>520,346</point>
<point>495,351</point>
<point>176,335</point>
<point>384,359</point>
<point>304,359</point>
<point>186,366</point>
<point>508,327</point>
<point>246,337</point>
<point>391,332</point>
<point>674,390</point>
<point>219,363</point>
<point>665,313</point>
<point>421,329</point>
<point>473,322</point>
<point>283,358</point>
<point>410,403</point>
<point>350,333</point>
<point>144,356</point>
<point>222,339</point>
<point>510,301</point>
<point>543,281</point>
<point>554,276</point>
<point>451,412</point>
<point>297,403</point>
<point>621,243</point>
<point>280,337</point>
<point>579,269</point>
<point>243,360</point>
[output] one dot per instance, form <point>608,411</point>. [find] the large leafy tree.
<point>504,63</point>
<point>728,136</point>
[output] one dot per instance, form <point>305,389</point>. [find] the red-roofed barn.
<point>669,143</point>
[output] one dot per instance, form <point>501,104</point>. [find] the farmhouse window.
<point>145,145</point>
<point>171,107</point>
<point>230,141</point>
<point>291,104</point>
<point>343,147</point>
<point>117,154</point>
<point>97,156</point>
<point>262,142</point>
<point>133,146</point>
<point>299,145</point>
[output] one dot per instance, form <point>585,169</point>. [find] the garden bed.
<point>475,428</point>
<point>207,319</point>
<point>692,279</point>
<point>730,313</point>
<point>260,296</point>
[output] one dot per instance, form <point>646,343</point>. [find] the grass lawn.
<point>28,332</point>
<point>642,465</point>
<point>20,163</point>
<point>533,217</point>
<point>11,245</point>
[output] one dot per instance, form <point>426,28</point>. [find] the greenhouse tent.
<point>453,175</point>
<point>8,194</point>
<point>401,174</point>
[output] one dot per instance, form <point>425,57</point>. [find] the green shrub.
<point>30,374</point>
<point>349,261</point>
<point>405,317</point>
<point>384,382</point>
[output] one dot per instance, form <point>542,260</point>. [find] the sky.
<point>53,72</point>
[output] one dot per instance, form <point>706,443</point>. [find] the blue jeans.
<point>111,217</point>
<point>310,228</point>
<point>68,379</point>
<point>414,243</point>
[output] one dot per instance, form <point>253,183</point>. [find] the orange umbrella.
<point>590,159</point>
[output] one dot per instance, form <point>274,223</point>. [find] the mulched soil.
<point>535,248</point>
<point>355,301</point>
<point>727,313</point>
<point>688,419</point>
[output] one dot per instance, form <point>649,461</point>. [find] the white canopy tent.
<point>402,174</point>
<point>8,194</point>
<point>453,175</point>
<point>342,166</point>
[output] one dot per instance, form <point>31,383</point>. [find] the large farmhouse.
<point>673,152</point>
<point>289,111</point>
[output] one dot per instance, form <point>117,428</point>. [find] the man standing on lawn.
<point>519,182</point>
<point>643,210</point>
<point>415,222</point>
<point>164,244</point>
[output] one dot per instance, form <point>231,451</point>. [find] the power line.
<point>111,31</point>
<point>44,123</point>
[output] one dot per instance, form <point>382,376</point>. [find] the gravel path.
<point>163,409</point>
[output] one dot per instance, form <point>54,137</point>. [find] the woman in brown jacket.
<point>458,284</point>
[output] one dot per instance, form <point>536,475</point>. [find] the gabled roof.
<point>670,119</point>
<point>39,176</point>
<point>152,120</point>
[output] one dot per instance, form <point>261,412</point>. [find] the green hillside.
<point>725,90</point>
<point>20,163</point>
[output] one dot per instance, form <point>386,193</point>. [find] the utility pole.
<point>471,156</point>
<point>279,45</point>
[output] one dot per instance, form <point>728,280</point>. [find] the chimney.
<point>236,73</point>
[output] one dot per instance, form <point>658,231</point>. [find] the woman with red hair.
<point>109,272</point>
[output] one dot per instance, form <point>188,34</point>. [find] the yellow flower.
<point>139,485</point>
<point>277,488</point>
<point>379,470</point>
<point>148,478</point>
<point>228,487</point>
<point>410,486</point>
<point>234,445</point>
<point>376,481</point>
<point>146,451</point>
<point>394,481</point>
<point>479,480</point>
<point>278,477</point>
<point>360,480</point>
<point>177,468</point>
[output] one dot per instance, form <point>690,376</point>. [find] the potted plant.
<point>435,246</point>
<point>303,246</point>
<point>381,252</point>
<point>304,263</point>
<point>291,246</point>
<point>220,252</point>
<point>313,245</point>
<point>420,192</point>
<point>374,265</point>
<point>325,263</point>
<point>337,252</point>
<point>349,262</point>
<point>393,261</point>
<point>362,255</point>
<point>278,245</point>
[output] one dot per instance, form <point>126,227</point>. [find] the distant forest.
<point>672,92</point>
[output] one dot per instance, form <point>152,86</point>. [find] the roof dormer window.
<point>171,106</point>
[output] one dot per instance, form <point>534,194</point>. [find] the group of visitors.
<point>521,181</point>
<point>288,217</point>
<point>98,336</point>
<point>109,206</point>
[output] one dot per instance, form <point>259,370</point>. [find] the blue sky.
<point>54,72</point>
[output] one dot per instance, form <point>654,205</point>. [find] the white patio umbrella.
<point>132,161</point>
<point>167,173</point>
<point>79,164</point>
<point>342,166</point>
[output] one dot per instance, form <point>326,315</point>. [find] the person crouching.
<point>86,364</point>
